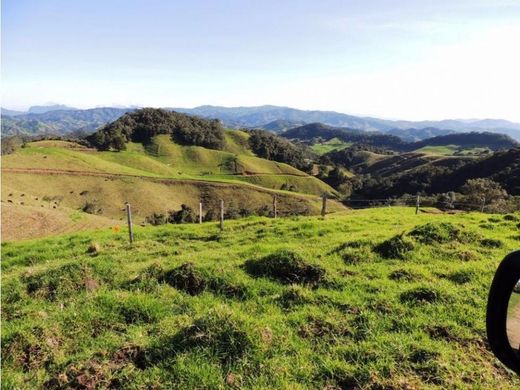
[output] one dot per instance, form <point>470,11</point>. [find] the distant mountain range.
<point>59,119</point>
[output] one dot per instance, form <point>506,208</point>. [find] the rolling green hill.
<point>377,298</point>
<point>155,178</point>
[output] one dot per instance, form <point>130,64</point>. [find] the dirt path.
<point>513,326</point>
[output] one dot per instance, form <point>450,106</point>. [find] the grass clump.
<point>147,280</point>
<point>435,233</point>
<point>403,275</point>
<point>64,281</point>
<point>294,295</point>
<point>286,267</point>
<point>318,327</point>
<point>420,295</point>
<point>395,248</point>
<point>219,333</point>
<point>357,256</point>
<point>491,243</point>
<point>186,278</point>
<point>461,277</point>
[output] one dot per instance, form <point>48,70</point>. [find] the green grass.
<point>446,150</point>
<point>450,150</point>
<point>163,158</point>
<point>297,303</point>
<point>330,145</point>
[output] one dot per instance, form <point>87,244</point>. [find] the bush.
<point>156,219</point>
<point>286,267</point>
<point>395,247</point>
<point>184,215</point>
<point>91,207</point>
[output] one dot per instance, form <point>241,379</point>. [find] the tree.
<point>482,191</point>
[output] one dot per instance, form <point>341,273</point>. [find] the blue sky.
<point>392,59</point>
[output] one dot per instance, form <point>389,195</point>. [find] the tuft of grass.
<point>421,295</point>
<point>395,248</point>
<point>287,267</point>
<point>186,278</point>
<point>491,243</point>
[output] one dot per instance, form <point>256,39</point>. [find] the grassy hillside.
<point>329,146</point>
<point>346,302</point>
<point>63,177</point>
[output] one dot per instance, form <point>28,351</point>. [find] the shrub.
<point>184,215</point>
<point>92,207</point>
<point>395,247</point>
<point>156,219</point>
<point>286,267</point>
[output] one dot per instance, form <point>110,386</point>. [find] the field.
<point>329,146</point>
<point>375,298</point>
<point>449,150</point>
<point>59,179</point>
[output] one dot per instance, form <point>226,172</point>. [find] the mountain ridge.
<point>65,121</point>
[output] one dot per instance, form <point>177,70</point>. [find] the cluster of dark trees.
<point>141,125</point>
<point>314,131</point>
<point>272,147</point>
<point>445,175</point>
<point>309,133</point>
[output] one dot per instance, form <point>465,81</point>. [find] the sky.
<point>409,59</point>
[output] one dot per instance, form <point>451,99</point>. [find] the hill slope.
<point>189,307</point>
<point>154,179</point>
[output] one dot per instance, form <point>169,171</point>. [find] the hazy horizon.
<point>411,61</point>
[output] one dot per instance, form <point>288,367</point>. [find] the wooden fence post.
<point>221,214</point>
<point>200,212</point>
<point>275,206</point>
<point>417,203</point>
<point>324,205</point>
<point>129,220</point>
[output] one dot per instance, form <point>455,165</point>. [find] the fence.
<point>411,201</point>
